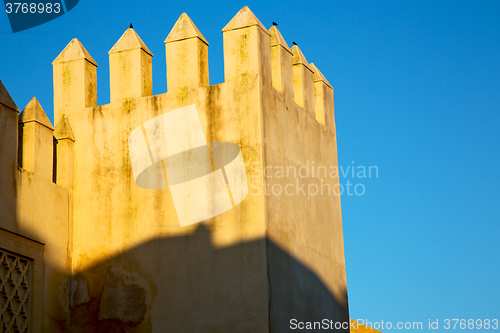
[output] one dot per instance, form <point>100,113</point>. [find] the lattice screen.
<point>15,290</point>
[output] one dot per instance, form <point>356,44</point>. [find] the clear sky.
<point>417,94</point>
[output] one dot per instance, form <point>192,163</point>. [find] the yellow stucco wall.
<point>34,206</point>
<point>118,257</point>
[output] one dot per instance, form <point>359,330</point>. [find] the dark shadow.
<point>188,285</point>
<point>54,162</point>
<point>296,292</point>
<point>20,128</point>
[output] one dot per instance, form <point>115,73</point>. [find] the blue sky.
<point>416,94</point>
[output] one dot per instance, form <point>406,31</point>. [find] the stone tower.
<point>95,252</point>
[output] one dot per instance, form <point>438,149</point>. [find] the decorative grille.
<point>15,287</point>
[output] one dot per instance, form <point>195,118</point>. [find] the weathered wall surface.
<point>128,245</point>
<point>112,215</point>
<point>303,206</point>
<point>36,208</point>
<point>116,256</point>
<point>8,158</point>
<point>42,215</point>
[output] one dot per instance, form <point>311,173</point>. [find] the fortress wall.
<point>34,213</point>
<point>8,158</point>
<point>303,212</point>
<point>116,257</point>
<point>114,218</point>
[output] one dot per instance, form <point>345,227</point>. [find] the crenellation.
<point>35,215</point>
<point>75,79</point>
<point>303,81</point>
<point>63,129</point>
<point>105,231</point>
<point>63,133</point>
<point>36,150</point>
<point>323,98</point>
<point>187,56</point>
<point>6,100</point>
<point>250,51</point>
<point>247,48</point>
<point>282,69</point>
<point>130,68</point>
<point>8,129</point>
<point>8,155</point>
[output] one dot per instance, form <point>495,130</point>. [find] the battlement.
<point>251,52</point>
<point>43,150</point>
<point>257,61</point>
<point>29,141</point>
<point>120,239</point>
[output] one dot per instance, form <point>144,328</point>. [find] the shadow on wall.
<point>184,284</point>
